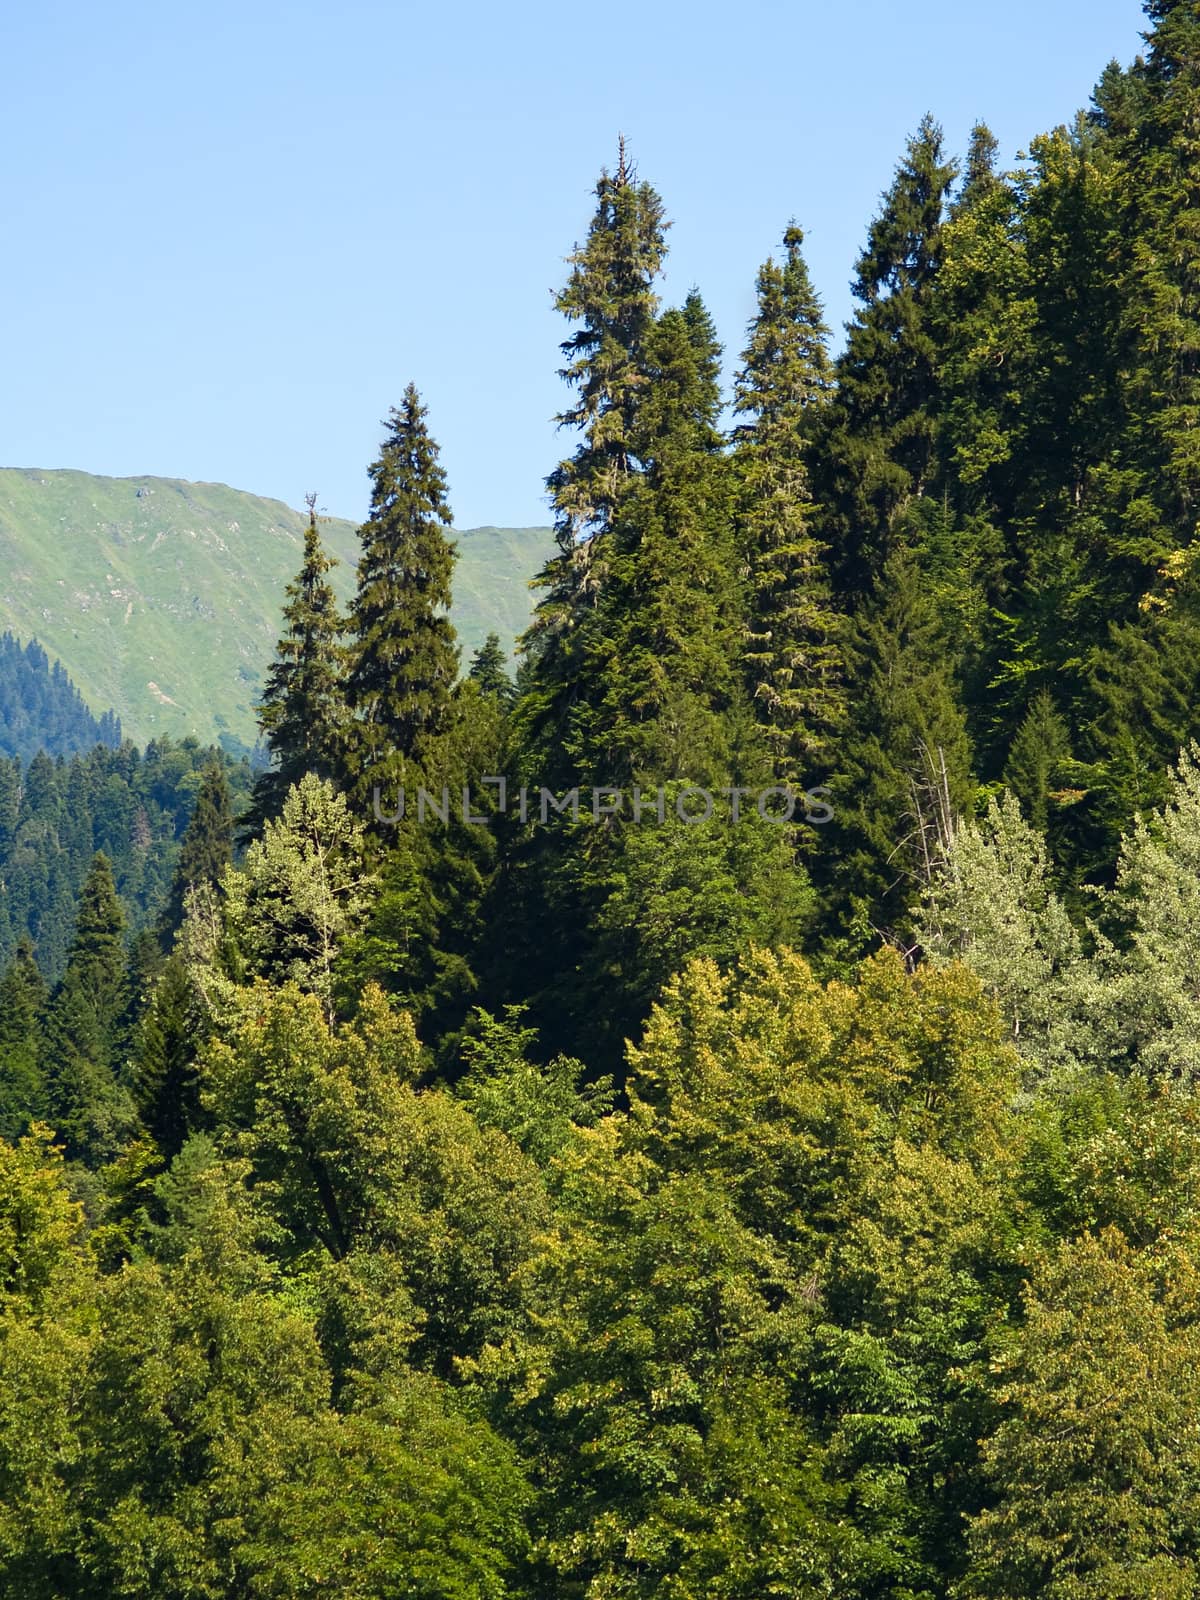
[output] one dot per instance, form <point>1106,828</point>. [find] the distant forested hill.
<point>41,709</point>
<point>162,597</point>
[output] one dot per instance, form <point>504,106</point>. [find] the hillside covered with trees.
<point>716,1114</point>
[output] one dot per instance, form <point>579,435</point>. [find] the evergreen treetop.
<point>301,713</point>
<point>791,653</point>
<point>403,658</point>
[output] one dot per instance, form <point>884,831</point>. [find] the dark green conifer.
<point>80,1062</point>
<point>165,1078</point>
<point>792,656</point>
<point>301,713</point>
<point>661,680</point>
<point>206,849</point>
<point>23,995</point>
<point>1160,216</point>
<point>489,669</point>
<point>878,444</point>
<point>611,295</point>
<point>1035,762</point>
<point>403,659</point>
<point>904,777</point>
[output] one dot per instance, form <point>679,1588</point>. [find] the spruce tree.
<point>165,1074</point>
<point>877,452</point>
<point>904,778</point>
<point>611,295</point>
<point>661,679</point>
<point>791,654</point>
<point>1161,222</point>
<point>206,849</point>
<point>23,996</point>
<point>87,1107</point>
<point>1035,762</point>
<point>301,713</point>
<point>489,669</point>
<point>403,659</point>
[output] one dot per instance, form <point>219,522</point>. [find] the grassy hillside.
<point>162,597</point>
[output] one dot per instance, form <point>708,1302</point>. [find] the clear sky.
<point>232,232</point>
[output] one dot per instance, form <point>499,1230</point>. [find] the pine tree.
<point>301,713</point>
<point>403,659</point>
<point>877,452</point>
<point>904,771</point>
<point>87,1107</point>
<point>489,669</point>
<point>791,653</point>
<point>206,849</point>
<point>23,996</point>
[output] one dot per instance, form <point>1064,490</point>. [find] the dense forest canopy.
<point>608,1194</point>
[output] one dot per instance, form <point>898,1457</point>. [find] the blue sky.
<point>233,232</point>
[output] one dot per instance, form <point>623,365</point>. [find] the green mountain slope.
<point>162,597</point>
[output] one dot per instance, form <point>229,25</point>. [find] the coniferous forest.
<point>715,1112</point>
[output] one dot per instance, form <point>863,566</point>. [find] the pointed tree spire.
<point>403,658</point>
<point>979,169</point>
<point>86,1105</point>
<point>489,669</point>
<point>206,849</point>
<point>878,453</point>
<point>301,713</point>
<point>611,297</point>
<point>791,655</point>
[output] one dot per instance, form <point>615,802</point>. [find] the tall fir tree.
<point>403,659</point>
<point>660,675</point>
<point>166,1077</point>
<point>206,849</point>
<point>1160,216</point>
<point>302,711</point>
<point>877,454</point>
<point>611,294</point>
<point>87,1106</point>
<point>489,669</point>
<point>792,655</point>
<point>1036,761</point>
<point>23,996</point>
<point>904,772</point>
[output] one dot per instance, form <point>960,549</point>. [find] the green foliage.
<point>878,446</point>
<point>206,850</point>
<point>791,651</point>
<point>403,659</point>
<point>87,1105</point>
<point>300,893</point>
<point>489,669</point>
<point>538,1107</point>
<point>302,710</point>
<point>23,996</point>
<point>903,777</point>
